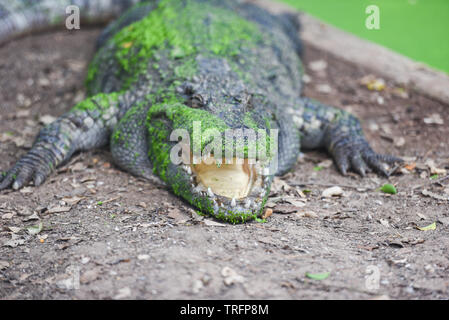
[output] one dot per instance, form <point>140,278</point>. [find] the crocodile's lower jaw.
<point>233,181</point>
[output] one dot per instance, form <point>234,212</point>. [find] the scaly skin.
<point>229,65</point>
<point>18,17</point>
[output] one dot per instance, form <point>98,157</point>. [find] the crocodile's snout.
<point>225,169</point>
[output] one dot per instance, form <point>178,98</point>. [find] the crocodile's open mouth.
<point>235,180</point>
<point>240,186</point>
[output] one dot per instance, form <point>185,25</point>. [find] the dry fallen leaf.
<point>309,214</point>
<point>59,209</point>
<point>177,215</point>
<point>323,88</point>
<point>211,223</point>
<point>325,164</point>
<point>27,190</point>
<point>434,119</point>
<point>279,186</point>
<point>286,209</point>
<point>332,192</point>
<point>8,216</point>
<point>428,193</point>
<point>90,275</point>
<point>72,200</point>
<point>14,242</point>
<point>231,277</point>
<point>268,212</point>
<point>318,65</point>
<point>399,142</point>
<point>384,222</point>
<point>123,293</point>
<point>410,166</point>
<point>143,257</point>
<point>296,202</point>
<point>438,171</point>
<point>14,229</point>
<point>46,119</point>
<point>4,265</point>
<point>421,216</point>
<point>78,167</point>
<point>32,217</point>
<point>143,205</point>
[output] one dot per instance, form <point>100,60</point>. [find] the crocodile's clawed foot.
<point>32,166</point>
<point>358,156</point>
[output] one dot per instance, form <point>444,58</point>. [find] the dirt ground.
<point>108,235</point>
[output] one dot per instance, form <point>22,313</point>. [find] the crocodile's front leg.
<point>86,126</point>
<point>341,134</point>
<point>129,145</point>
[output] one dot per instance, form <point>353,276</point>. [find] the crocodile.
<point>170,72</point>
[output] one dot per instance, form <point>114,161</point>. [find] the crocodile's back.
<point>158,45</point>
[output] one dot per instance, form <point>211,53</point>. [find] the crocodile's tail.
<point>19,17</point>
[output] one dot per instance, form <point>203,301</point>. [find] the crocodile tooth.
<point>248,204</point>
<point>196,190</point>
<point>210,193</point>
<point>233,202</point>
<point>189,170</point>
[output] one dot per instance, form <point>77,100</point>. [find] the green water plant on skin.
<point>224,76</point>
<point>180,35</point>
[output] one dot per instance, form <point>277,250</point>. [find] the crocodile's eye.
<point>196,101</point>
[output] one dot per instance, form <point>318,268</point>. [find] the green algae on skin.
<point>179,27</point>
<point>100,102</point>
<point>249,122</point>
<point>180,117</point>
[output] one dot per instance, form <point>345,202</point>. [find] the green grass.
<point>418,29</point>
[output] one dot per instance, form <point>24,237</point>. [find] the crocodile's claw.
<point>356,154</point>
<point>36,165</point>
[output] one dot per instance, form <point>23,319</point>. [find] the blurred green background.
<point>418,29</point>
